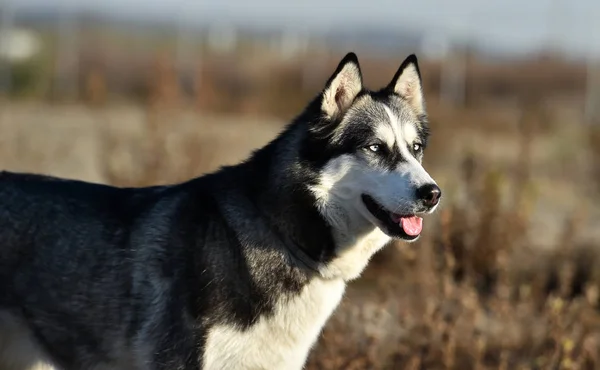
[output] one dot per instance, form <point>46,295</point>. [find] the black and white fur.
<point>238,269</point>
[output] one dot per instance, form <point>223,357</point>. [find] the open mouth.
<point>403,226</point>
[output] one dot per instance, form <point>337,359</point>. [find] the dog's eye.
<point>417,147</point>
<point>374,148</point>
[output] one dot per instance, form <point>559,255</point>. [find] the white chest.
<point>280,341</point>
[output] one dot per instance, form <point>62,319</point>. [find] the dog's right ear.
<point>407,84</point>
<point>342,87</point>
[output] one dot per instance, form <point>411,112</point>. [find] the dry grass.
<point>476,292</point>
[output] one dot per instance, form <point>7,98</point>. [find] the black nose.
<point>430,194</point>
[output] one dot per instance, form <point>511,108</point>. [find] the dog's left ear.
<point>407,84</point>
<point>342,87</point>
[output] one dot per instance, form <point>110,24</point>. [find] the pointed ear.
<point>342,87</point>
<point>407,84</point>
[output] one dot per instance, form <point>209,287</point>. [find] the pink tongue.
<point>412,225</point>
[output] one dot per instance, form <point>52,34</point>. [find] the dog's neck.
<point>281,197</point>
<point>317,240</point>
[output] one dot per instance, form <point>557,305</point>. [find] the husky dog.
<point>237,269</point>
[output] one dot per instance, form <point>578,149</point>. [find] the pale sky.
<point>514,24</point>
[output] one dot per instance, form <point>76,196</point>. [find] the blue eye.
<point>374,148</point>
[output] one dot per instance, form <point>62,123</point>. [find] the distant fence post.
<point>184,52</point>
<point>453,84</point>
<point>6,25</point>
<point>453,78</point>
<point>592,96</point>
<point>66,73</point>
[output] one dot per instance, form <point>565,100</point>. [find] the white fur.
<point>341,185</point>
<point>281,341</point>
<point>388,134</point>
<point>398,133</point>
<point>354,254</point>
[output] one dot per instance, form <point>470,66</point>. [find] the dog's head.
<point>368,148</point>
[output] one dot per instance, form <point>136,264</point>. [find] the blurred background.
<point>507,274</point>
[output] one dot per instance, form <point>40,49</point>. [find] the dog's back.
<point>73,265</point>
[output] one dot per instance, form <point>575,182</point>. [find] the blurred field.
<point>507,274</point>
